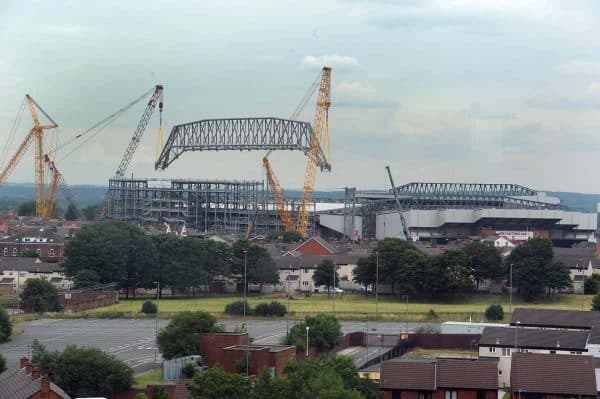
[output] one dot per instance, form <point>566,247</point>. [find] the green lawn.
<point>356,306</point>
<point>149,377</point>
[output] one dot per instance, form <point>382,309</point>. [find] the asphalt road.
<point>133,340</point>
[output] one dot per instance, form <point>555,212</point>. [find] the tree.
<point>457,273</point>
<point>84,372</point>
<point>591,284</point>
<point>260,267</point>
<point>325,332</point>
<point>484,261</point>
<point>494,312</point>
<point>2,364</point>
<point>180,337</point>
<point>72,212</point>
<point>324,274</point>
<point>91,212</point>
<point>159,393</point>
<point>86,278</point>
<point>41,293</point>
<point>5,325</point>
<point>27,208</point>
<point>217,384</point>
<point>531,265</point>
<point>596,302</point>
<point>559,276</point>
<point>409,274</point>
<point>268,387</point>
<point>365,272</point>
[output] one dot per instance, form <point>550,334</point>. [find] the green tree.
<point>217,384</point>
<point>389,251</point>
<point>180,337</point>
<point>268,387</point>
<point>324,274</point>
<point>591,284</point>
<point>72,212</point>
<point>41,293</point>
<point>91,212</point>
<point>531,265</point>
<point>159,393</point>
<point>2,364</point>
<point>86,278</point>
<point>457,273</point>
<point>27,208</point>
<point>559,276</point>
<point>484,261</point>
<point>409,274</point>
<point>338,393</point>
<point>325,332</point>
<point>5,325</point>
<point>260,267</point>
<point>596,302</point>
<point>365,272</point>
<point>84,371</point>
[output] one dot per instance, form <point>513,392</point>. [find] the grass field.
<point>149,377</point>
<point>353,306</point>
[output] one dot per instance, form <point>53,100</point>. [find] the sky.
<point>442,91</point>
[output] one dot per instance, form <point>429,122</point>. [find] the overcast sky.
<point>476,91</point>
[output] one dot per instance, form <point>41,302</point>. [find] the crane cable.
<point>11,135</point>
<point>306,98</point>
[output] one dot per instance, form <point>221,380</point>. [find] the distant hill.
<point>11,194</point>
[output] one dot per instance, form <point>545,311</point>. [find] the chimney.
<point>35,374</point>
<point>29,368</point>
<point>45,387</point>
<point>24,362</point>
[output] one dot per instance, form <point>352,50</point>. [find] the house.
<point>313,246</point>
<point>41,242</point>
<point>504,242</point>
<point>439,379</point>
<point>24,381</point>
<point>535,375</point>
<point>15,271</point>
<point>582,262</point>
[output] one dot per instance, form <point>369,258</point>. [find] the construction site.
<point>242,208</point>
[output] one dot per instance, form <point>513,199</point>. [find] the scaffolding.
<point>209,206</point>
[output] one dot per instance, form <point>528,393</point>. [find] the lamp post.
<point>406,316</point>
<point>333,289</point>
<point>287,315</point>
<point>510,291</point>
<point>156,320</point>
<point>307,328</point>
<point>580,268</point>
<point>376,284</point>
<point>245,284</point>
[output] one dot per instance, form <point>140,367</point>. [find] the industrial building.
<point>451,211</point>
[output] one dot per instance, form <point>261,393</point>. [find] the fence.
<point>72,300</point>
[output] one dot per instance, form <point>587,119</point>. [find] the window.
<point>553,352</point>
<point>492,349</point>
<point>51,252</point>
<point>14,251</point>
<point>499,371</point>
<point>505,351</point>
<point>451,395</point>
<point>424,395</point>
<point>305,270</point>
<point>5,251</point>
<point>305,283</point>
<point>396,394</point>
<point>39,251</point>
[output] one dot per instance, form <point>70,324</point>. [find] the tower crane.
<point>36,136</point>
<point>319,139</point>
<point>402,220</point>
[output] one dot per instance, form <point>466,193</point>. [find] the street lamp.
<point>510,291</point>
<point>406,316</point>
<point>580,268</point>
<point>307,328</point>
<point>376,284</point>
<point>287,314</point>
<point>334,266</point>
<point>156,319</point>
<point>245,283</point>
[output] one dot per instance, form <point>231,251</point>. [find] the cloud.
<point>478,111</point>
<point>580,66</point>
<point>269,57</point>
<point>66,30</point>
<point>338,62</point>
<point>357,94</point>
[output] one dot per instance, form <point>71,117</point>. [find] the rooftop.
<point>554,318</point>
<point>534,338</point>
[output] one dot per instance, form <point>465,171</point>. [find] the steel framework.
<point>242,134</point>
<point>465,189</point>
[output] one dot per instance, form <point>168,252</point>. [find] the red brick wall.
<point>210,345</point>
<point>440,394</point>
<point>280,358</point>
<point>33,247</point>
<point>312,247</point>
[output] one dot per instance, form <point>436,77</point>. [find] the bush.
<point>596,302</point>
<point>432,315</point>
<point>494,312</point>
<point>237,308</point>
<point>149,307</point>
<point>188,370</point>
<point>272,308</point>
<point>43,293</point>
<point>180,337</point>
<point>325,332</point>
<point>590,287</point>
<point>5,325</point>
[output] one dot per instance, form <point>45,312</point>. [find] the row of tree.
<point>120,252</point>
<point>411,272</point>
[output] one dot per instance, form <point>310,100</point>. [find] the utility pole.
<point>307,328</point>
<point>245,300</point>
<point>156,320</point>
<point>376,285</point>
<point>287,315</point>
<point>510,291</point>
<point>406,316</point>
<point>333,289</point>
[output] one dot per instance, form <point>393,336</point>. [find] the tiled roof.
<point>15,383</point>
<point>429,374</point>
<point>37,233</point>
<point>555,318</point>
<point>553,374</point>
<point>25,264</point>
<point>577,257</point>
<point>534,338</point>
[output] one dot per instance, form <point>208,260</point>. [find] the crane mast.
<point>402,220</point>
<point>320,126</point>
<point>278,197</point>
<point>139,131</point>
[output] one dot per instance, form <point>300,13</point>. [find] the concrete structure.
<point>449,211</point>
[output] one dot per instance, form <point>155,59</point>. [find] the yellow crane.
<point>37,136</point>
<point>318,140</point>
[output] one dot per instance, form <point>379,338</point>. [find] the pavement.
<point>133,340</point>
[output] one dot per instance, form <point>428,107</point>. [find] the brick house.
<point>439,379</point>
<point>23,380</point>
<point>539,376</point>
<point>15,271</point>
<point>48,245</point>
<point>313,246</point>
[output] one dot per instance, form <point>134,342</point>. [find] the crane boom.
<point>320,126</point>
<point>402,220</point>
<point>12,164</point>
<point>139,131</point>
<point>280,202</point>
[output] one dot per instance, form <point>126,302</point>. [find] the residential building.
<point>23,380</point>
<point>582,261</point>
<point>15,271</point>
<point>555,376</point>
<point>439,379</point>
<point>502,342</point>
<point>41,242</point>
